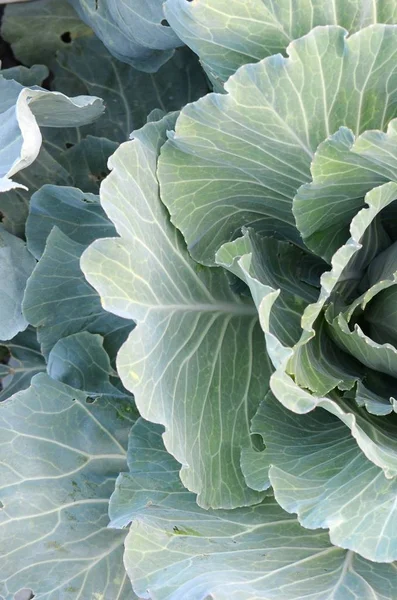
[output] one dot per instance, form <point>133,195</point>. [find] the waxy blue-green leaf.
<point>152,477</point>
<point>196,361</point>
<point>176,550</point>
<point>59,302</point>
<point>84,165</point>
<point>239,158</point>
<point>24,361</point>
<point>16,265</point>
<point>229,33</point>
<point>87,162</point>
<point>77,214</point>
<point>14,204</point>
<point>129,95</point>
<point>34,75</point>
<point>37,30</point>
<point>63,456</point>
<point>317,471</point>
<point>81,361</point>
<point>133,31</point>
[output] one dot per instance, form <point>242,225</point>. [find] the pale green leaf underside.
<point>63,456</point>
<point>196,361</point>
<point>175,550</point>
<point>318,471</point>
<point>14,204</point>
<point>238,158</point>
<point>230,33</point>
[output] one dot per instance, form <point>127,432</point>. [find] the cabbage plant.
<point>199,356</point>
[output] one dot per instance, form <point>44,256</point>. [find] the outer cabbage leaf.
<point>80,361</point>
<point>63,456</point>
<point>80,163</point>
<point>318,471</point>
<point>133,31</point>
<point>23,362</point>
<point>16,265</point>
<point>14,204</point>
<point>129,94</point>
<point>53,23</point>
<point>22,110</point>
<point>229,33</point>
<point>34,75</point>
<point>76,214</point>
<point>59,301</point>
<point>176,550</point>
<point>84,165</point>
<point>239,158</point>
<point>196,361</point>
<point>87,162</point>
